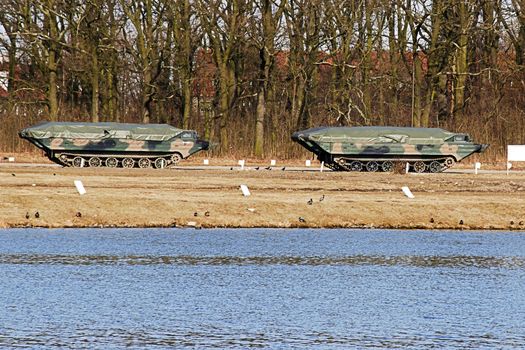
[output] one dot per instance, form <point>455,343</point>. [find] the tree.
<point>185,39</point>
<point>147,46</point>
<point>10,23</point>
<point>303,25</point>
<point>223,24</point>
<point>44,28</point>
<point>265,29</point>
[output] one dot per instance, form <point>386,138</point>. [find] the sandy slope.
<point>212,198</point>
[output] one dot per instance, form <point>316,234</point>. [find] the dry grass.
<point>132,198</point>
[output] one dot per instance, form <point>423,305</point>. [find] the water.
<point>277,289</point>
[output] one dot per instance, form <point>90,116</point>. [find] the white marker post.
<point>11,159</point>
<point>322,166</point>
<point>477,166</point>
<point>206,162</point>
<point>245,191</point>
<point>308,162</point>
<point>80,187</point>
<point>509,165</point>
<point>407,192</point>
<point>273,162</point>
<point>406,168</point>
<point>241,163</point>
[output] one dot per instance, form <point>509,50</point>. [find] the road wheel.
<point>387,166</point>
<point>356,166</point>
<point>435,167</point>
<point>78,162</point>
<point>372,167</point>
<point>449,162</point>
<point>160,163</point>
<point>128,163</point>
<point>144,163</point>
<point>95,162</point>
<point>419,167</point>
<point>112,162</point>
<point>175,158</point>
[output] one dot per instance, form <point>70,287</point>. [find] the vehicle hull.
<point>92,144</point>
<point>368,148</point>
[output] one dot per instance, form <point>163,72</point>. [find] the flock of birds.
<point>311,202</point>
<point>37,215</point>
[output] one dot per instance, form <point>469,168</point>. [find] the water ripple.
<point>404,260</point>
<point>220,339</point>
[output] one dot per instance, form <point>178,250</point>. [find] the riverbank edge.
<point>433,227</point>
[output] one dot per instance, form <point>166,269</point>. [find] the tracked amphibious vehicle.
<point>374,148</point>
<point>113,145</point>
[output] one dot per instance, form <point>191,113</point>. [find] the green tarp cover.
<point>72,130</point>
<point>376,131</point>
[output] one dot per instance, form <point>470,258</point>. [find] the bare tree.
<point>44,28</point>
<point>223,23</point>
<point>303,24</point>
<point>264,30</point>
<point>146,43</point>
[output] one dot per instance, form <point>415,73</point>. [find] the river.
<point>261,288</point>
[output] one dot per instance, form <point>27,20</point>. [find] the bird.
<point>322,198</point>
<point>256,168</point>
<point>283,168</point>
<point>54,174</point>
<point>13,174</point>
<point>310,201</point>
<point>37,215</point>
<point>207,213</point>
<point>301,219</point>
<point>431,220</point>
<point>78,214</point>
<point>231,168</point>
<point>461,222</point>
<point>268,168</point>
<point>195,214</point>
<point>27,215</point>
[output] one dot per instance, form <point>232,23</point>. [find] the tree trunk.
<point>146,97</point>
<point>520,46</point>
<point>461,64</point>
<point>52,61</point>
<point>367,93</point>
<point>95,76</point>
<point>186,65</point>
<point>52,92</point>
<point>224,105</point>
<point>417,89</point>
<point>259,124</point>
<point>11,82</point>
<point>11,79</point>
<point>298,111</point>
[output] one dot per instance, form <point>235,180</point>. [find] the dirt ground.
<point>212,198</point>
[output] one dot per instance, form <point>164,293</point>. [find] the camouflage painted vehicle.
<point>113,145</point>
<point>374,148</point>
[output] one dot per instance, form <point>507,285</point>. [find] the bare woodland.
<point>247,73</point>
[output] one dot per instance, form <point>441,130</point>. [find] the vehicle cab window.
<point>461,138</point>
<point>188,135</point>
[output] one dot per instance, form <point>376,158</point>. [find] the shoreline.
<point>408,228</point>
<point>149,198</point>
